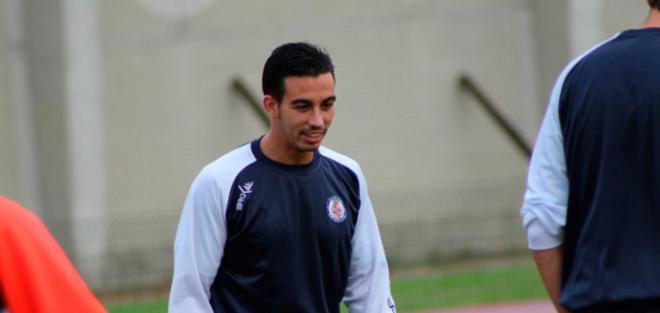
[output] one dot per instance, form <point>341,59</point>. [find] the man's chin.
<point>309,147</point>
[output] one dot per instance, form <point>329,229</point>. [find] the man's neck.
<point>653,20</point>
<point>277,151</point>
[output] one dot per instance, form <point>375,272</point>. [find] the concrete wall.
<point>31,71</point>
<point>429,153</point>
<point>621,15</point>
<point>44,52</point>
<point>122,125</point>
<point>8,162</point>
<point>19,142</point>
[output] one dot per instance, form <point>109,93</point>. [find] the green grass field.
<point>431,288</point>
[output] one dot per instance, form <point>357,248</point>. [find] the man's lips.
<point>313,136</point>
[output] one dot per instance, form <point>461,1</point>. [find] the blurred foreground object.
<point>35,274</point>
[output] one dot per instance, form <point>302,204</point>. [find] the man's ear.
<point>271,106</point>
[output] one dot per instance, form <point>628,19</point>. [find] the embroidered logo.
<point>336,209</point>
<point>391,305</point>
<point>245,189</point>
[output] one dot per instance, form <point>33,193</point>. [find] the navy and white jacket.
<point>594,178</point>
<point>259,236</point>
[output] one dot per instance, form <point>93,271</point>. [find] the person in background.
<point>592,205</point>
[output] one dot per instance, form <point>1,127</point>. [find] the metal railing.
<point>252,100</point>
<point>469,84</point>
<point>465,81</point>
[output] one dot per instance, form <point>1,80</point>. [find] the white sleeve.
<point>368,289</point>
<point>198,248</point>
<point>544,206</point>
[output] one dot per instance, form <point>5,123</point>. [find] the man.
<point>282,224</point>
<point>592,204</point>
<point>35,274</point>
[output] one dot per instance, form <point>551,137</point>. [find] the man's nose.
<point>315,118</point>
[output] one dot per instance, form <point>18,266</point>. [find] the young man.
<point>592,204</point>
<point>35,274</point>
<point>282,224</point>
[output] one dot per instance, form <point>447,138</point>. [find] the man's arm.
<point>198,247</point>
<point>368,289</point>
<point>545,202</point>
<point>549,265</point>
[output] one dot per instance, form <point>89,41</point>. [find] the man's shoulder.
<point>341,159</point>
<point>589,54</point>
<point>229,164</point>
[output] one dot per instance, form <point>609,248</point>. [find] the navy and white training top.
<point>594,178</point>
<point>260,236</point>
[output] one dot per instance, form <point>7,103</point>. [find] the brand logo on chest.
<point>336,209</point>
<point>246,189</point>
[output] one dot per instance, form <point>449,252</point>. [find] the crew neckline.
<point>286,168</point>
<point>641,31</point>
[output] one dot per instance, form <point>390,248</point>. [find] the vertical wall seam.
<point>85,134</point>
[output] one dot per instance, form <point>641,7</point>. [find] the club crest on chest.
<point>336,209</point>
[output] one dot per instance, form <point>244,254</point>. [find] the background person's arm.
<point>545,202</point>
<point>549,264</point>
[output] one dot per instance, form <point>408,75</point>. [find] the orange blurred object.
<point>35,274</point>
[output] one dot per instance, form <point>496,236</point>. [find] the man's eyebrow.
<point>309,102</point>
<point>331,98</point>
<point>301,102</point>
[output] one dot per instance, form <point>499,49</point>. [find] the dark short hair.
<point>654,4</point>
<point>293,59</point>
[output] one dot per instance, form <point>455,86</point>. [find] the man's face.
<point>305,112</point>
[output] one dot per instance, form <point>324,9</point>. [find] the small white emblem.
<point>245,190</point>
<point>336,209</point>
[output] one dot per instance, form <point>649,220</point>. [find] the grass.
<point>492,285</point>
<point>432,288</point>
<point>154,306</point>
